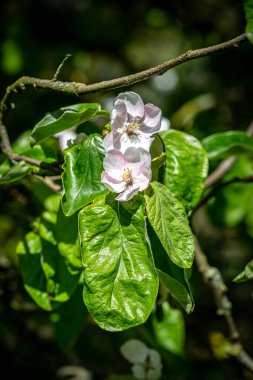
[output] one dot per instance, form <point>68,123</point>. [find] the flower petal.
<point>108,141</point>
<point>137,156</point>
<point>118,115</point>
<point>124,141</point>
<point>152,119</point>
<point>111,183</point>
<point>127,194</point>
<point>114,163</point>
<point>133,102</point>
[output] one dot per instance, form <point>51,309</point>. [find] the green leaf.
<point>246,274</point>
<point>15,173</point>
<point>121,283</point>
<point>64,118</point>
<point>72,311</point>
<point>169,331</point>
<point>248,8</point>
<point>221,145</point>
<point>49,277</point>
<point>82,174</point>
<point>174,278</point>
<point>186,167</point>
<point>168,218</point>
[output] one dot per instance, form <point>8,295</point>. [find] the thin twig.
<point>213,278</point>
<point>225,165</point>
<point>57,73</point>
<point>219,187</point>
<point>49,183</point>
<point>219,172</point>
<point>73,88</point>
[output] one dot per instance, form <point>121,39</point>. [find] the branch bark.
<point>73,88</point>
<point>213,278</point>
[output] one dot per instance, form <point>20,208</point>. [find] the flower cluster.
<point>127,164</point>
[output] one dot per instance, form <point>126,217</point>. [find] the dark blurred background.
<point>108,39</point>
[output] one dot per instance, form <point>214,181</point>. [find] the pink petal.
<point>133,102</point>
<point>118,115</point>
<point>152,119</point>
<point>137,156</point>
<point>143,179</point>
<point>114,163</point>
<point>111,183</point>
<point>108,141</point>
<point>127,194</point>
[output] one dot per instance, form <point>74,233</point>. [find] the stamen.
<point>132,127</point>
<point>127,177</point>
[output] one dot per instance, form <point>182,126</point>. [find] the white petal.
<point>133,102</point>
<point>128,193</point>
<point>137,156</point>
<point>108,141</point>
<point>142,181</point>
<point>135,351</point>
<point>111,183</point>
<point>118,115</point>
<point>114,163</point>
<point>152,119</point>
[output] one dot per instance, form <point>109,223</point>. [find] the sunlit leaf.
<point>169,331</point>
<point>49,276</point>
<point>64,118</point>
<point>82,174</point>
<point>174,278</point>
<point>186,167</point>
<point>15,173</point>
<point>246,274</point>
<point>221,145</point>
<point>120,280</point>
<point>168,218</point>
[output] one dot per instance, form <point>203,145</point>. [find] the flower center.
<point>132,127</point>
<point>127,177</point>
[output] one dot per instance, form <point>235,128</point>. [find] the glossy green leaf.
<point>246,274</point>
<point>49,276</point>
<point>186,167</point>
<point>174,278</point>
<point>82,174</point>
<point>64,118</point>
<point>248,7</point>
<point>169,331</point>
<point>221,145</point>
<point>168,218</point>
<point>15,173</point>
<point>121,283</point>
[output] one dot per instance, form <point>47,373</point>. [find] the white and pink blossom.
<point>132,123</point>
<point>127,173</point>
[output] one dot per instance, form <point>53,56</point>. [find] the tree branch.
<point>219,187</point>
<point>213,278</point>
<point>73,88</point>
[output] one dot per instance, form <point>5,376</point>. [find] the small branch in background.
<point>213,278</point>
<point>219,172</point>
<point>219,187</point>
<point>49,183</point>
<point>73,88</point>
<point>5,141</point>
<point>57,73</point>
<point>54,166</point>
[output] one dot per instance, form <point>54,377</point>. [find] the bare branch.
<point>219,187</point>
<point>57,73</point>
<point>213,278</point>
<point>73,88</point>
